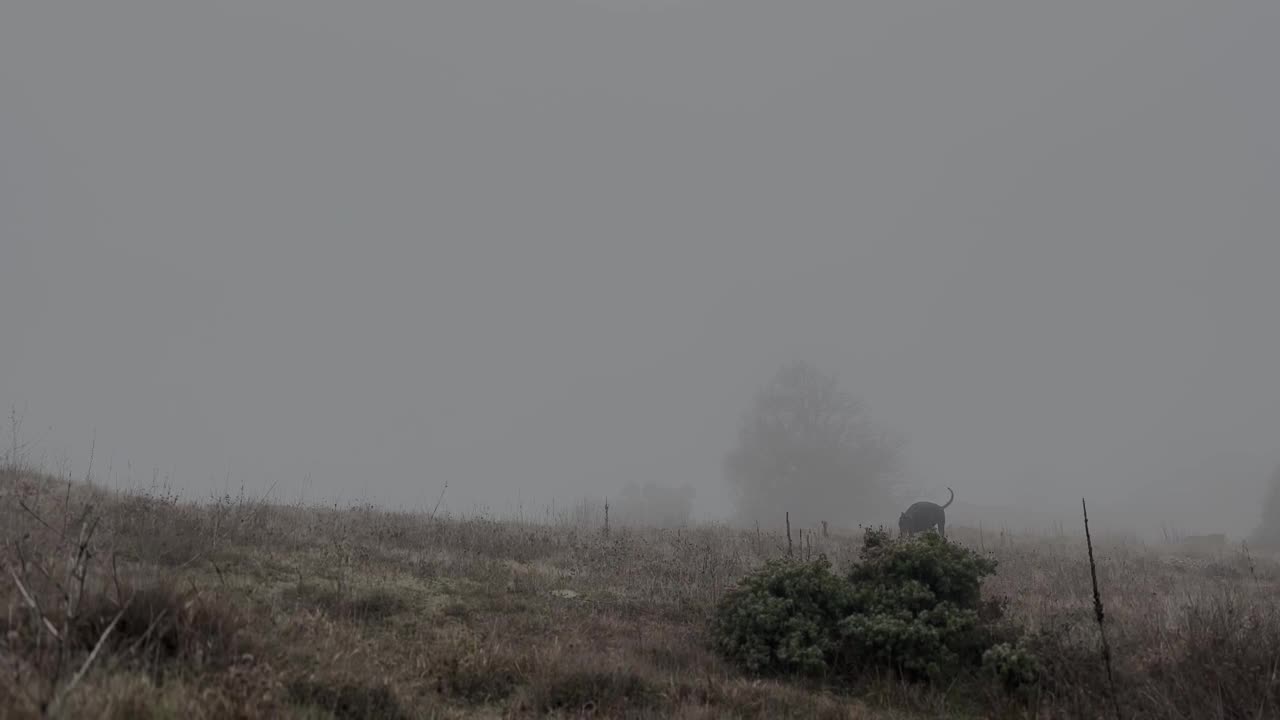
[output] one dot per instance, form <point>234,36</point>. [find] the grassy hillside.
<point>137,605</point>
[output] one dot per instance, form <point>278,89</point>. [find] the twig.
<point>66,505</point>
<point>155,622</point>
<point>441,499</point>
<point>39,519</point>
<point>79,569</point>
<point>1098,614</point>
<point>15,425</point>
<point>115,579</point>
<point>35,606</point>
<point>1253,570</point>
<point>93,445</point>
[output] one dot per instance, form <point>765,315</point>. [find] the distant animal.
<point>924,516</point>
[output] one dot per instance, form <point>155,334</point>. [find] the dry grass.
<point>234,608</point>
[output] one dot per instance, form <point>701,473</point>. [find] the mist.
<point>539,251</point>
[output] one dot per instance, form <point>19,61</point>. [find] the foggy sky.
<point>540,249</point>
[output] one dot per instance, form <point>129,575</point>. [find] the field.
<point>138,605</point>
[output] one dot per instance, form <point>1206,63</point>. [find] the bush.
<point>935,570</point>
<point>784,618</point>
<point>916,606</point>
<point>910,606</point>
<point>930,644</point>
<point>1013,666</point>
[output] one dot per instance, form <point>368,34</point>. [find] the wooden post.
<point>1098,612</point>
<point>789,550</point>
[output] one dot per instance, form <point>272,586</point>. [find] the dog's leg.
<point>942,527</point>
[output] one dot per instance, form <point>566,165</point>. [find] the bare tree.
<point>805,448</point>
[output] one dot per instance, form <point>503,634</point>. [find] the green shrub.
<point>784,618</point>
<point>910,606</point>
<point>931,643</point>
<point>916,607</point>
<point>949,572</point>
<point>1013,666</point>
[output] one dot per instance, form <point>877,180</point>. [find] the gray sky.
<point>555,246</point>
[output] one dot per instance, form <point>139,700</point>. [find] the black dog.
<point>925,515</point>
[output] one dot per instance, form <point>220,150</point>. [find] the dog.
<point>924,516</point>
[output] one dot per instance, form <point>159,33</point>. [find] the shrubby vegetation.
<point>912,607</point>
<point>1015,667</point>
<point>785,618</point>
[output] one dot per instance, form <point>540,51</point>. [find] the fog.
<point>538,250</point>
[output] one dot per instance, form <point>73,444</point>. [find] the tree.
<point>1268,531</point>
<point>805,448</point>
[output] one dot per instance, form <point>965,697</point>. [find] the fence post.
<point>789,550</point>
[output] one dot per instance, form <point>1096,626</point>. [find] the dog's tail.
<point>953,498</point>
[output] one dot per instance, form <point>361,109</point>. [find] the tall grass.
<point>236,606</point>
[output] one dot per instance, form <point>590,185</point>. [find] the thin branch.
<point>35,606</point>
<point>438,501</point>
<point>155,622</point>
<point>37,517</point>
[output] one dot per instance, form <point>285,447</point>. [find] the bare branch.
<point>35,606</point>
